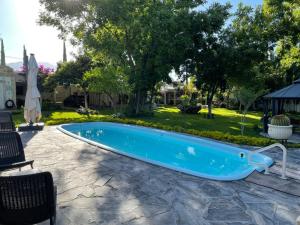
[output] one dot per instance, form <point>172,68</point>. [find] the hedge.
<point>217,135</point>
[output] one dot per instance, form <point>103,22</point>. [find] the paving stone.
<point>226,210</point>
<point>96,186</point>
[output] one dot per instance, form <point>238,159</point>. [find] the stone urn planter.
<point>280,127</point>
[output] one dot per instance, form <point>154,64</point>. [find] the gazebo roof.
<point>290,92</point>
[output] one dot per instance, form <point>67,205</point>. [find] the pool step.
<point>273,181</point>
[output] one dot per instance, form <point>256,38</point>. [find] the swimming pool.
<point>197,156</point>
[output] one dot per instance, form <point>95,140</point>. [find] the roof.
<point>290,92</point>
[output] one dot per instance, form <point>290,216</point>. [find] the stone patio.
<point>96,186</point>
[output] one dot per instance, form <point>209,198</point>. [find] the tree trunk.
<point>138,99</point>
<point>210,96</point>
<point>228,98</point>
<point>209,105</point>
<point>243,119</point>
<point>86,105</point>
<point>151,99</point>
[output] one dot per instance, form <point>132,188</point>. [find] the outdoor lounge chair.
<point>27,199</point>
<point>6,122</point>
<point>12,152</point>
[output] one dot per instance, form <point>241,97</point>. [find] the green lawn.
<point>227,121</point>
<point>225,126</point>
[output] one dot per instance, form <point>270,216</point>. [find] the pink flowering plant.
<point>43,70</point>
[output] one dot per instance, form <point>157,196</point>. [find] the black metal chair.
<point>6,122</point>
<point>12,152</point>
<point>27,199</point>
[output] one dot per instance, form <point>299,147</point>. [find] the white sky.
<point>18,26</point>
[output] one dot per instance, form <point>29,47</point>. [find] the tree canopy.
<point>134,45</point>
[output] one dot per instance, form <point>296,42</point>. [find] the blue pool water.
<point>197,156</point>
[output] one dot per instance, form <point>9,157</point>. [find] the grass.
<point>226,121</point>
<point>224,127</point>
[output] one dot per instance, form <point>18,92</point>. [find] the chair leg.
<point>52,221</point>
<point>31,165</point>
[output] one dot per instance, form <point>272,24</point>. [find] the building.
<point>7,83</point>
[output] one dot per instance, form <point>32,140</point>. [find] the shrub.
<point>188,106</point>
<point>189,109</point>
<point>217,135</point>
<point>185,100</point>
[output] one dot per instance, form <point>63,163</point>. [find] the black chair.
<point>6,122</point>
<point>27,199</point>
<point>12,152</point>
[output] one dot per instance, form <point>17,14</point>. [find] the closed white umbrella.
<point>32,108</point>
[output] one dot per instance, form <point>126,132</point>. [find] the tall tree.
<point>283,26</point>
<point>209,54</point>
<point>145,38</point>
<point>250,46</point>
<point>283,17</point>
<point>2,54</point>
<point>64,52</point>
<point>25,60</point>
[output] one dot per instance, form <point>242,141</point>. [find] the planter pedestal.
<point>280,132</point>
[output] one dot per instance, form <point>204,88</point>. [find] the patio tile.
<point>96,186</point>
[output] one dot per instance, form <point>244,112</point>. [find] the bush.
<point>85,111</point>
<point>190,109</point>
<point>185,100</point>
<point>217,135</point>
<point>188,106</point>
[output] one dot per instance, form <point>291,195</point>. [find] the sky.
<point>18,27</point>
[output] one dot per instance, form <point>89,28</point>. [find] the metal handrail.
<point>284,154</point>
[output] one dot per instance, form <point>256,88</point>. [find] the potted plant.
<point>280,127</point>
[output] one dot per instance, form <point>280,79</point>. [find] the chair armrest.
<point>16,165</point>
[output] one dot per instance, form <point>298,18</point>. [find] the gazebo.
<point>278,99</point>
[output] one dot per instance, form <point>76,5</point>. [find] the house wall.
<point>102,100</point>
<point>63,92</point>
<point>7,86</point>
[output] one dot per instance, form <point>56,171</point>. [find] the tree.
<point>64,52</point>
<point>283,18</point>
<point>147,39</point>
<point>247,95</point>
<point>2,63</point>
<point>283,28</point>
<point>71,73</point>
<point>109,80</point>
<point>209,55</point>
<point>250,59</point>
<point>189,88</point>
